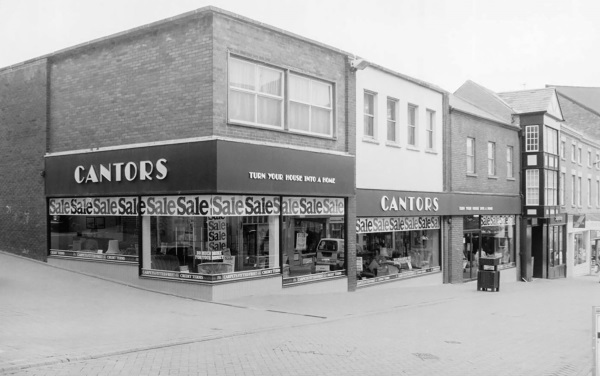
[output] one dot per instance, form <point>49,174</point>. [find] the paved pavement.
<point>57,322</point>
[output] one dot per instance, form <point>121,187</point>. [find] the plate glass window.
<point>310,106</point>
<point>551,190</point>
<point>255,94</point>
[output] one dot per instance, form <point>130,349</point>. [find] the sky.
<point>503,45</point>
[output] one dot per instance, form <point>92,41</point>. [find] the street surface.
<point>56,322</point>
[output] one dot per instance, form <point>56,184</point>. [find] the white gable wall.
<point>381,165</point>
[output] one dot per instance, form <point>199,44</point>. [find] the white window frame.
<point>561,187</point>
<point>562,149</point>
<point>414,142</point>
<point>551,188</point>
<point>311,105</point>
<point>579,183</point>
<point>372,116</point>
<point>550,140</point>
<point>589,158</point>
<point>574,152</point>
<point>256,93</point>
<point>491,158</point>
<point>532,187</point>
<point>510,172</point>
<point>532,138</point>
<point>589,193</point>
<point>430,130</point>
<point>471,157</point>
<point>579,155</point>
<point>392,121</point>
<point>573,190</point>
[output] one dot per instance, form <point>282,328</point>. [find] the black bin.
<point>488,275</point>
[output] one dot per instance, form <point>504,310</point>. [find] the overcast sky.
<point>503,45</point>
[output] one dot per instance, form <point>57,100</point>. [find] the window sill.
<point>431,151</point>
<point>393,145</point>
<point>511,179</point>
<point>412,148</point>
<point>492,177</point>
<point>281,130</point>
<point>472,175</point>
<point>370,140</point>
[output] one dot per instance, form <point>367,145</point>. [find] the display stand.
<point>488,276</point>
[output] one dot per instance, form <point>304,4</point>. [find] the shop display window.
<point>210,245</point>
<point>312,245</point>
<point>97,237</point>
<point>498,241</point>
<point>389,253</point>
<point>555,246</point>
<point>579,249</point>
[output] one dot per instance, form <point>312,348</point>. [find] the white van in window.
<point>330,255</point>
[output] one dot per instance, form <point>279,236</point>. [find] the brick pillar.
<point>454,251</point>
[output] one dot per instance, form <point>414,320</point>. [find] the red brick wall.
<point>271,47</point>
<point>149,85</point>
<point>23,144</point>
<point>463,126</point>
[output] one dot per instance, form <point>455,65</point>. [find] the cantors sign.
<point>121,171</point>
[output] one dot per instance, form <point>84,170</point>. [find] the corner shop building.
<point>168,156</point>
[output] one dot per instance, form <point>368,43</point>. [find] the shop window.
<point>211,245</point>
<point>498,238</point>
<point>112,238</point>
<point>555,246</point>
<point>400,253</point>
<point>313,247</point>
<point>310,106</point>
<point>579,250</point>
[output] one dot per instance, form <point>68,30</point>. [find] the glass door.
<point>471,244</point>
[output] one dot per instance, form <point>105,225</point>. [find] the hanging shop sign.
<point>389,224</point>
<point>578,221</point>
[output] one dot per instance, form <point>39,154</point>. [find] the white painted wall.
<point>380,165</point>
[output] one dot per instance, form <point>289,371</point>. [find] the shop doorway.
<point>471,247</point>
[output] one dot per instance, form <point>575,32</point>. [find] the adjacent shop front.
<point>401,235</point>
<point>222,218</point>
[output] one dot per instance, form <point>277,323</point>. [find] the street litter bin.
<point>488,275</point>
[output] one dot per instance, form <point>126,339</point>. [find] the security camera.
<point>359,64</point>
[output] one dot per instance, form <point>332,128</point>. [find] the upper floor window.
<point>510,172</point>
<point>369,114</point>
<point>579,191</point>
<point>561,185</point>
<point>412,125</point>
<point>579,155</point>
<point>470,155</point>
<point>311,107</point>
<point>532,184</point>
<point>562,149</point>
<point>491,159</point>
<point>551,140</point>
<point>589,192</point>
<point>255,94</point>
<point>574,153</point>
<point>551,187</point>
<point>430,130</point>
<point>532,138</point>
<point>597,161</point>
<point>392,123</point>
<point>573,190</point>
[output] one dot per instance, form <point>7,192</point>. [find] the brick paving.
<point>538,328</point>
